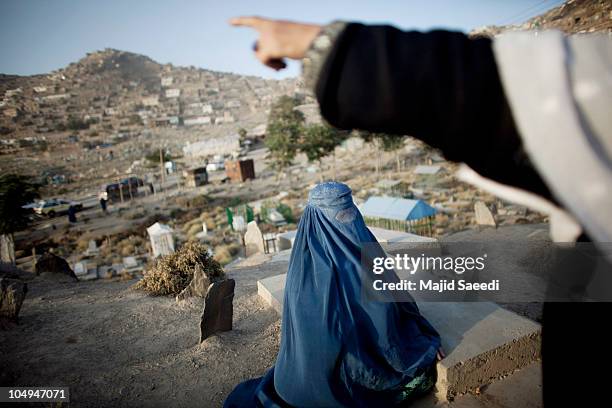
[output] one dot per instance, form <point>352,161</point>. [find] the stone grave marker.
<point>218,308</point>
<point>484,215</point>
<point>253,239</point>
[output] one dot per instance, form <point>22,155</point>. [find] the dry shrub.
<point>83,243</point>
<point>200,202</point>
<point>210,224</point>
<point>190,224</point>
<point>128,249</point>
<point>194,229</point>
<point>125,276</point>
<point>170,274</point>
<point>135,214</point>
<point>130,245</point>
<point>225,253</point>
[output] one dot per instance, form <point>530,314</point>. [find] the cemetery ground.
<point>115,346</point>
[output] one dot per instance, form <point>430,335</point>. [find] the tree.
<point>242,134</point>
<point>136,120</point>
<point>15,192</point>
<point>284,128</point>
<point>153,157</point>
<point>75,123</point>
<point>318,141</point>
<point>392,144</point>
<point>386,143</point>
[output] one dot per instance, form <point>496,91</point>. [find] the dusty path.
<point>116,347</point>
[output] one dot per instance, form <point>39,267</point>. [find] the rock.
<point>12,294</point>
<point>484,215</point>
<point>218,308</point>
<point>197,287</point>
<point>54,265</point>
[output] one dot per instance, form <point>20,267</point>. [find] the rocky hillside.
<point>573,16</point>
<point>109,90</point>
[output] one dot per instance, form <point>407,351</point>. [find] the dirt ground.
<point>117,347</point>
<point>114,346</point>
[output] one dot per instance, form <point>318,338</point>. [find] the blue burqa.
<point>338,349</point>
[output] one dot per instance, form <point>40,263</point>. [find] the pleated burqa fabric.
<point>337,348</point>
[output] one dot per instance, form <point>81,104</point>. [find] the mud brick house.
<point>240,170</point>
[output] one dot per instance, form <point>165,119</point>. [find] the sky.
<point>38,36</point>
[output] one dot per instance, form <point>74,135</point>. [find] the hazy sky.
<point>37,36</point>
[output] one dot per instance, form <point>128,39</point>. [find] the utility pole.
<point>130,188</point>
<point>120,190</point>
<point>162,168</point>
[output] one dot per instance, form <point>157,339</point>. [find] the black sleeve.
<point>441,87</point>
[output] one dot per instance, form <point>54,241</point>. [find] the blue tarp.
<point>394,208</point>
<point>337,348</point>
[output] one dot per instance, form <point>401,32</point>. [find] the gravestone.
<point>52,265</point>
<point>253,239</point>
<point>204,233</point>
<point>7,249</point>
<point>92,248</point>
<point>218,308</point>
<point>12,294</point>
<point>484,215</point>
<point>130,262</point>
<point>162,239</point>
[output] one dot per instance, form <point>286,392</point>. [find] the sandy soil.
<point>116,347</point>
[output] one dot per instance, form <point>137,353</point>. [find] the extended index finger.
<point>247,21</point>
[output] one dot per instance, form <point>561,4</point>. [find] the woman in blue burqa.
<point>337,348</point>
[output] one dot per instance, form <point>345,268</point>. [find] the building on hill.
<point>427,175</point>
<point>223,145</point>
<point>258,132</point>
<point>167,121</point>
<point>394,188</point>
<point>195,177</point>
<point>399,214</point>
<point>152,100</point>
<point>173,93</point>
<point>240,170</point>
<point>197,121</point>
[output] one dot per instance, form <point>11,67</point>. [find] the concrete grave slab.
<point>80,268</point>
<point>481,340</point>
<point>271,290</point>
<point>118,268</point>
<point>92,275</point>
<point>105,271</point>
<point>286,239</point>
